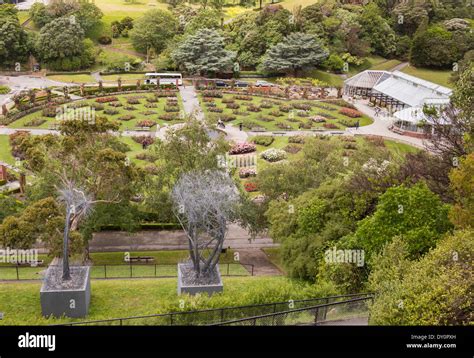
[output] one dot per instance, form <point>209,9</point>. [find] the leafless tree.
<point>79,205</point>
<point>204,202</point>
<point>449,127</point>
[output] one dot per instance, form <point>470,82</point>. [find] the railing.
<point>348,312</point>
<point>218,315</point>
<point>19,273</point>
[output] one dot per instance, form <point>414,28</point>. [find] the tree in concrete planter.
<point>297,51</point>
<point>78,205</point>
<point>203,53</point>
<point>204,202</point>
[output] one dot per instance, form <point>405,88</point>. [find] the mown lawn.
<point>290,120</point>
<point>165,265</point>
<point>138,112</point>
<point>5,150</point>
<point>20,302</point>
<point>440,77</point>
<point>72,78</point>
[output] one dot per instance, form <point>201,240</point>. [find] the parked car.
<point>241,84</point>
<point>221,84</point>
<point>261,83</point>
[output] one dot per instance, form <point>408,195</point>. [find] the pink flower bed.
<point>243,148</point>
<point>349,112</point>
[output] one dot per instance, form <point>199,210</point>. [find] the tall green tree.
<point>296,52</point>
<point>152,31</point>
<point>203,53</point>
<point>14,41</point>
<point>60,39</point>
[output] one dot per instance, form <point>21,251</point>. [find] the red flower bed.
<point>106,99</point>
<point>243,148</point>
<point>329,125</point>
<point>250,186</point>
<point>146,123</point>
<point>144,139</point>
<point>349,112</point>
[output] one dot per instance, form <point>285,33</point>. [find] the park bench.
<point>259,130</point>
<point>279,133</point>
<point>141,259</point>
<point>337,132</point>
<point>38,263</point>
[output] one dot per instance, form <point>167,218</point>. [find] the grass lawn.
<point>5,153</point>
<point>440,77</point>
<point>290,120</point>
<point>386,65</point>
<point>400,149</point>
<point>330,78</point>
<point>121,269</point>
<point>138,112</point>
<point>82,78</point>
<point>20,302</point>
<point>125,77</point>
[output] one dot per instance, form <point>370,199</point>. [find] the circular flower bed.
<point>273,155</point>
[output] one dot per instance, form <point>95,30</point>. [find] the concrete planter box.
<point>194,289</point>
<point>70,299</point>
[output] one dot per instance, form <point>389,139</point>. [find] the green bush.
<point>4,89</point>
<point>263,140</point>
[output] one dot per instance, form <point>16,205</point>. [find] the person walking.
<point>241,126</point>
<point>357,125</point>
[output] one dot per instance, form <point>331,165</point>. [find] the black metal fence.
<point>354,311</point>
<point>220,315</point>
<point>18,273</point>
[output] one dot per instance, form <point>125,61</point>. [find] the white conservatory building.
<point>402,94</point>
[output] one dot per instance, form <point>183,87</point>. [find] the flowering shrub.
<point>129,108</point>
<point>265,118</point>
<point>148,113</point>
<point>151,105</point>
<point>318,119</point>
<point>49,112</point>
<point>302,106</point>
<point>212,93</point>
<point>144,139</point>
<point>126,117</point>
<point>276,113</point>
<point>215,109</point>
<point>171,109</point>
<point>285,108</point>
<point>106,99</point>
<point>349,112</point>
<point>233,105</point>
<point>224,117</point>
<point>146,123</point>
<point>273,155</point>
<point>111,112</point>
<point>253,108</point>
<point>133,101</point>
<point>243,98</point>
<point>115,104</point>
<point>242,148</point>
<point>250,186</point>
<point>97,106</point>
<point>152,99</point>
<point>329,125</point>
<point>298,139</point>
<point>228,100</point>
<point>292,148</point>
<point>265,140</point>
<point>283,126</point>
<point>266,104</point>
<point>247,172</point>
<point>208,99</point>
<point>169,117</point>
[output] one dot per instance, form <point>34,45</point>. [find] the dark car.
<point>221,84</point>
<point>241,84</point>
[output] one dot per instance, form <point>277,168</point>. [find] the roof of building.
<point>407,89</point>
<point>367,79</point>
